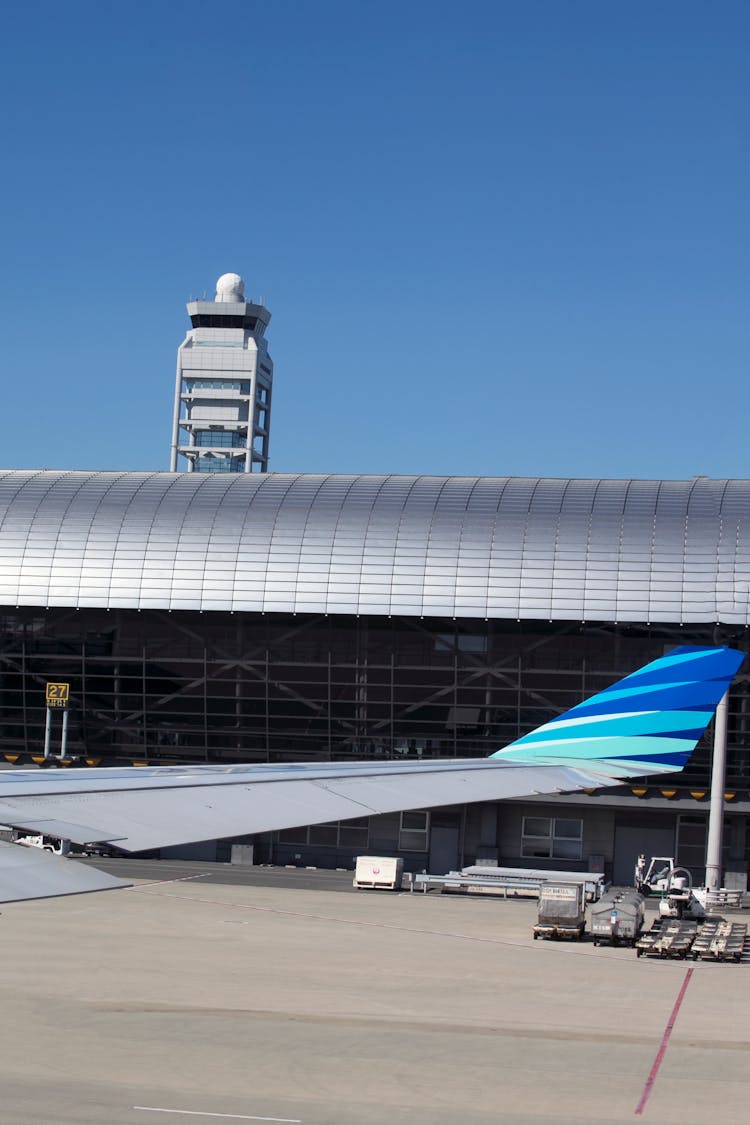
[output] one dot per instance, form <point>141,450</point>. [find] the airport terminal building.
<point>272,617</point>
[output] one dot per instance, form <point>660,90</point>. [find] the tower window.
<point>217,385</point>
<point>222,320</point>
<point>211,464</point>
<point>220,439</point>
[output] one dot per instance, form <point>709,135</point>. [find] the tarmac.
<point>207,994</point>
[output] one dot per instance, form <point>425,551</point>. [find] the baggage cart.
<point>562,911</point>
<point>719,940</point>
<point>617,918</point>
<point>672,937</point>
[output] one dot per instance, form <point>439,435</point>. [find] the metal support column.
<point>48,733</point>
<point>392,714</point>
<point>64,739</point>
<point>267,702</point>
<point>716,810</point>
<point>205,705</point>
<point>144,702</point>
<point>23,692</point>
<point>329,700</point>
<point>455,703</point>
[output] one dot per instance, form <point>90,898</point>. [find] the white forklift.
<point>678,897</point>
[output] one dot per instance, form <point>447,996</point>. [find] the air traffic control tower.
<point>222,400</point>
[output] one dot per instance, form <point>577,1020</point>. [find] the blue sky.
<point>496,238</point>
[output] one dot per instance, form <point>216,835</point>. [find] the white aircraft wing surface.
<point>34,873</point>
<point>647,723</point>
<point>139,809</point>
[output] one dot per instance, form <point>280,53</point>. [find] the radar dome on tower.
<point>230,287</point>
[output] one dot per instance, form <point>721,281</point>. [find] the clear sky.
<point>495,237</point>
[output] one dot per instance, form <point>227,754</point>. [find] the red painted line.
<point>663,1045</point>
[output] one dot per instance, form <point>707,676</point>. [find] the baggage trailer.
<point>504,881</point>
<point>529,877</point>
<point>617,918</point>
<point>668,938</point>
<point>562,911</point>
<point>720,941</point>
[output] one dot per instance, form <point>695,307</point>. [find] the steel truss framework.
<point>184,686</point>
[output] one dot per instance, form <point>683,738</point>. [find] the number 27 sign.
<point>57,695</point>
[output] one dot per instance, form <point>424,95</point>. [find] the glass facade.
<point>186,686</point>
<point>220,439</point>
<point>210,464</point>
<point>217,385</point>
<point>354,834</point>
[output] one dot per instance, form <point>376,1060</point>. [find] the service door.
<point>631,842</point>
<point>443,850</point>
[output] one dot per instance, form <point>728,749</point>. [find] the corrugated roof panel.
<point>500,547</point>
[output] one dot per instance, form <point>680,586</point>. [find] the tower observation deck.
<point>222,404</point>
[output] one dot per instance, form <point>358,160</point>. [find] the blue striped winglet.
<point>650,722</point>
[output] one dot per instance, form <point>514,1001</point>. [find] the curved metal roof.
<point>500,547</point>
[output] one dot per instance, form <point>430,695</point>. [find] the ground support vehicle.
<point>562,911</point>
<point>47,843</point>
<point>656,877</point>
<point>678,898</point>
<point>617,918</point>
<point>673,884</point>
<point>719,940</point>
<point>668,938</point>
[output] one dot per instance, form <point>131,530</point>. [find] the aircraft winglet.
<point>647,723</point>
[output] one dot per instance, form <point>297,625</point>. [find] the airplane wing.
<point>647,723</point>
<point>34,873</point>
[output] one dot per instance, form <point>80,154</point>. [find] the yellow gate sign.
<point>57,695</point>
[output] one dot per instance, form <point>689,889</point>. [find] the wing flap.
<point>63,829</point>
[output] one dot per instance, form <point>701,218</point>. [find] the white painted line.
<point>161,882</point>
<point>230,1116</point>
